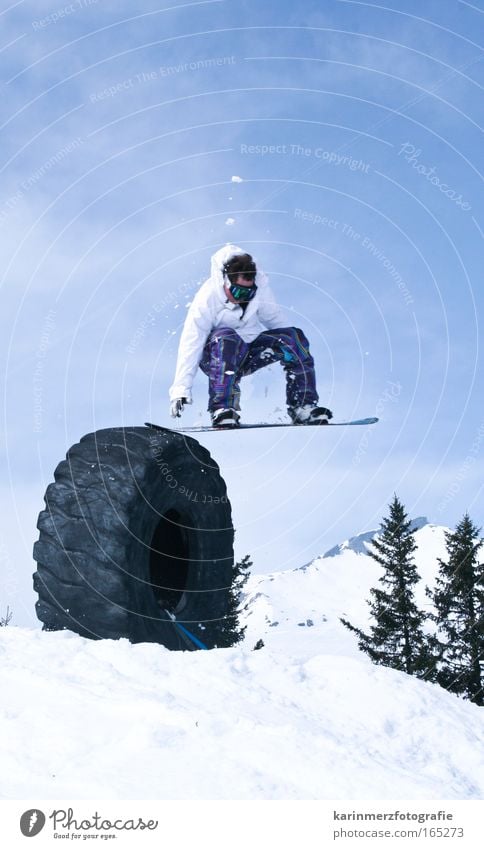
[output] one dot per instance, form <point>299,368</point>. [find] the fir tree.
<point>459,604</point>
<point>4,620</point>
<point>396,638</point>
<point>231,632</point>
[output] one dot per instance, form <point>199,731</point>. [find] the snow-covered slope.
<point>315,596</point>
<point>306,717</point>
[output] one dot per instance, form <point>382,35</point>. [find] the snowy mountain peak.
<point>359,544</point>
<point>418,523</point>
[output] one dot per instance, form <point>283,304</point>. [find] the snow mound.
<point>306,717</point>
<point>107,719</point>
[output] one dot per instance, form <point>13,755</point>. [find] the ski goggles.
<point>242,293</point>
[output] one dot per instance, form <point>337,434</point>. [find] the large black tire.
<point>136,524</point>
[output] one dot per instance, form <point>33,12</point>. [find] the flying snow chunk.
<point>230,222</point>
<point>236,179</point>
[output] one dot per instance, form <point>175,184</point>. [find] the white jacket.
<point>211,308</point>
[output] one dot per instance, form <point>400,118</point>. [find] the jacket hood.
<point>220,258</point>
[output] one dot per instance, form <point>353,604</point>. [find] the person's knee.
<point>289,331</point>
<point>294,335</point>
<point>301,337</point>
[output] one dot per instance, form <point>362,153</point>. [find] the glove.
<point>177,405</point>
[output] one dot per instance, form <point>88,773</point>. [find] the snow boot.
<point>310,415</point>
<point>225,418</point>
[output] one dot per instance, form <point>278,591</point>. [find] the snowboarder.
<point>233,328</point>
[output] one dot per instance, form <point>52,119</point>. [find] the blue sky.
<point>355,130</point>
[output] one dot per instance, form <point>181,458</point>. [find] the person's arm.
<point>198,324</point>
<point>269,312</point>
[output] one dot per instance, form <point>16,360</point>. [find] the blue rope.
<point>188,633</point>
<point>193,638</point>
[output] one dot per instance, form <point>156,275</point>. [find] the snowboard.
<point>208,428</point>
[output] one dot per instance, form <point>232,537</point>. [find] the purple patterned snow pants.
<point>226,358</point>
